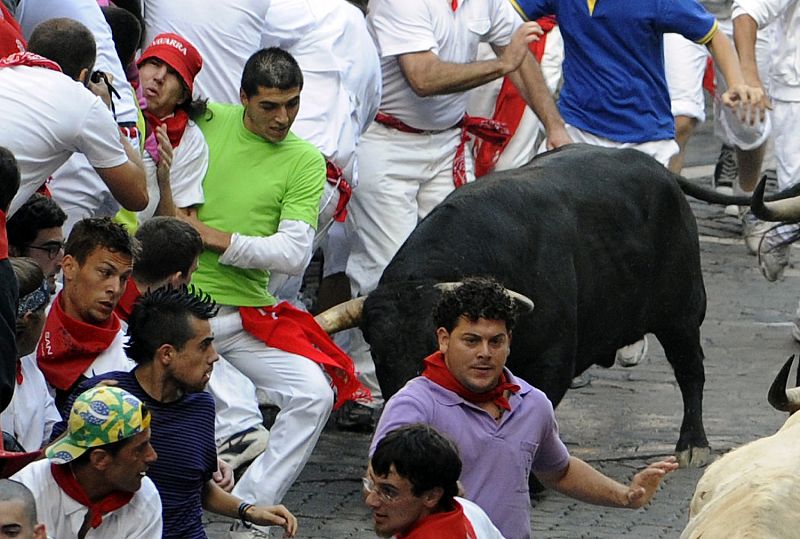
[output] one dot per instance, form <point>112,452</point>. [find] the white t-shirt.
<point>31,414</point>
<point>430,25</point>
<point>341,70</point>
<point>47,117</point>
<point>483,526</point>
<point>63,517</point>
<point>189,165</point>
<point>30,13</point>
<point>225,33</point>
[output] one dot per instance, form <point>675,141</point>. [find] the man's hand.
<point>223,477</point>
<point>100,88</point>
<point>557,136</point>
<point>517,50</point>
<point>273,515</point>
<point>645,483</point>
<point>164,154</point>
<point>749,100</point>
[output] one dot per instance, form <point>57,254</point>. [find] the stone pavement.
<point>625,417</point>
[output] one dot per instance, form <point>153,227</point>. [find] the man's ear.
<point>432,497</point>
<point>70,267</point>
<point>165,354</point>
<point>243,97</point>
<point>39,531</point>
<point>443,339</point>
<point>177,279</point>
<point>100,459</point>
<point>83,76</point>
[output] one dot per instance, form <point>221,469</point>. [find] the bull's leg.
<point>685,354</point>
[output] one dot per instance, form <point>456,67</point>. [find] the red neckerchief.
<point>436,371</point>
<point>483,128</point>
<point>454,5</point>
<point>20,378</point>
<point>3,236</point>
<point>111,502</point>
<point>451,524</point>
<point>509,108</point>
<point>68,346</point>
<point>11,38</point>
<point>28,59</point>
<point>125,304</point>
<point>292,330</point>
<point>176,124</point>
<point>335,176</point>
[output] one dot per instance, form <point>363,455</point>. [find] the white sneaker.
<point>243,447</point>
<point>753,229</point>
<point>632,354</point>
<point>773,256</point>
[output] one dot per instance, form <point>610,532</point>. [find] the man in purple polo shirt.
<point>504,427</point>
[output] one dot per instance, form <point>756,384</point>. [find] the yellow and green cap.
<point>100,416</point>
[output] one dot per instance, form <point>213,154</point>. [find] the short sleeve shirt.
<point>432,25</point>
<point>614,81</point>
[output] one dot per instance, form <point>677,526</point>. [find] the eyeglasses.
<point>387,494</point>
<point>52,248</point>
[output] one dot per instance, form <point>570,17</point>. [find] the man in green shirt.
<point>262,193</point>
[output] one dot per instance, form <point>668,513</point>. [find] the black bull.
<point>604,243</point>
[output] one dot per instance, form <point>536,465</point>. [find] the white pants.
<point>402,177</point>
<point>235,399</point>
<point>661,150</point>
<point>786,135</point>
<point>297,386</point>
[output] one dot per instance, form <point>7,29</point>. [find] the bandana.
<point>483,128</point>
<point>125,304</point>
<point>292,330</point>
<point>34,301</point>
<point>509,108</point>
<point>3,236</point>
<point>68,346</point>
<point>436,371</point>
<point>11,38</point>
<point>335,176</point>
<point>176,125</point>
<point>449,524</point>
<point>111,502</point>
<point>28,59</point>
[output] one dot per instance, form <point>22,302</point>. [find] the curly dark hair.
<point>424,457</point>
<point>161,316</point>
<point>475,298</point>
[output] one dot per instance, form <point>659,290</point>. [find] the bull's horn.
<point>343,316</point>
<point>524,301</point>
<point>779,397</point>
<point>780,210</point>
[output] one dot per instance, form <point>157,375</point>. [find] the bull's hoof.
<point>694,457</point>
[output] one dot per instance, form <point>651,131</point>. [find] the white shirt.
<point>31,414</point>
<point>430,25</point>
<point>30,13</point>
<point>784,83</point>
<point>138,519</point>
<point>47,117</point>
<point>112,358</point>
<point>342,86</point>
<point>225,33</point>
<point>483,526</point>
<point>189,165</point>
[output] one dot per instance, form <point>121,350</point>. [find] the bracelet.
<point>243,507</point>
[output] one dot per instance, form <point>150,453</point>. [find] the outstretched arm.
<point>582,482</point>
<point>220,502</point>
<point>740,93</point>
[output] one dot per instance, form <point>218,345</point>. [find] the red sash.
<point>11,39</point>
<point>3,236</point>
<point>292,330</point>
<point>509,108</point>
<point>176,125</point>
<point>124,306</point>
<point>68,346</point>
<point>436,371</point>
<point>28,59</point>
<point>335,176</point>
<point>450,525</point>
<point>483,128</point>
<point>111,502</point>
